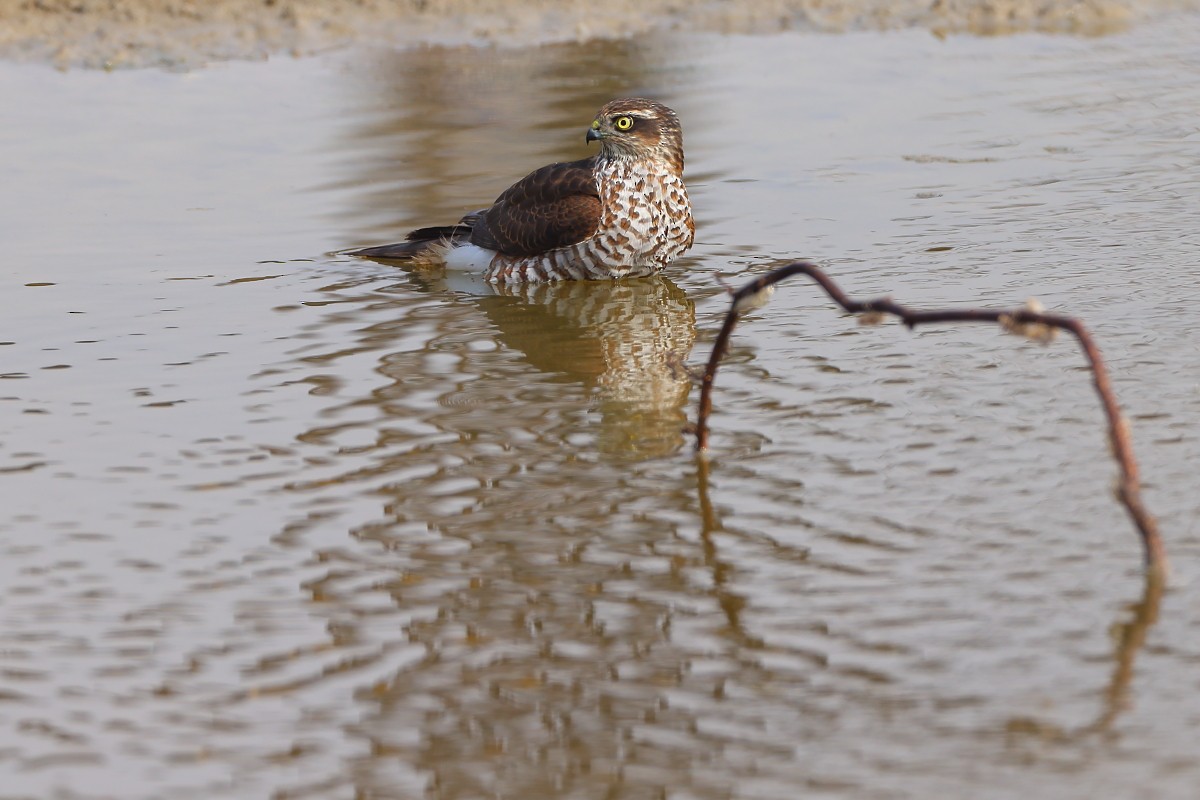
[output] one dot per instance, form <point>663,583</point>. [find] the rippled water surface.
<point>282,523</point>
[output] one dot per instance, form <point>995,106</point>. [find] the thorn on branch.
<point>752,301</point>
<point>1019,324</point>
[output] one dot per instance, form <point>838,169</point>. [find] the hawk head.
<point>638,128</point>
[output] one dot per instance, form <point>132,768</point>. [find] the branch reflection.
<point>1130,637</point>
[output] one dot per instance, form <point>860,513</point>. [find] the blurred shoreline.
<point>181,34</point>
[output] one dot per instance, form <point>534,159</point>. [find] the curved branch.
<point>1027,321</point>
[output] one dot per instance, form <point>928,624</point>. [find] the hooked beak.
<point>593,135</point>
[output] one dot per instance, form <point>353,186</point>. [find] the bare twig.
<point>1026,321</point>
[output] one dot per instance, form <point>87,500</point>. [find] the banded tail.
<point>423,244</point>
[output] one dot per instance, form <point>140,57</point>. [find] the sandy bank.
<point>184,33</point>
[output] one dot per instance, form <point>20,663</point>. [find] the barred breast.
<point>646,222</point>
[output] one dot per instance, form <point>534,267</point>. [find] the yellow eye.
<point>624,123</point>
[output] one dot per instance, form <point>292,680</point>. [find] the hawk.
<point>622,213</point>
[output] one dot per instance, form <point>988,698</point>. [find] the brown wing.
<point>555,206</point>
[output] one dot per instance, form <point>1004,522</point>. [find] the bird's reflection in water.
<point>622,340</point>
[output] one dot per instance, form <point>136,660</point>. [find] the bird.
<point>622,213</point>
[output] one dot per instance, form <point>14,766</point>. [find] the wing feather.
<point>555,206</point>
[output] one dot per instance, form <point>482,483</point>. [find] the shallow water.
<point>281,523</point>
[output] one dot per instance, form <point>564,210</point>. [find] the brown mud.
<point>180,34</point>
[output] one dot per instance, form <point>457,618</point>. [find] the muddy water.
<point>280,523</point>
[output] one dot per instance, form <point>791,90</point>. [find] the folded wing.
<point>555,206</point>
